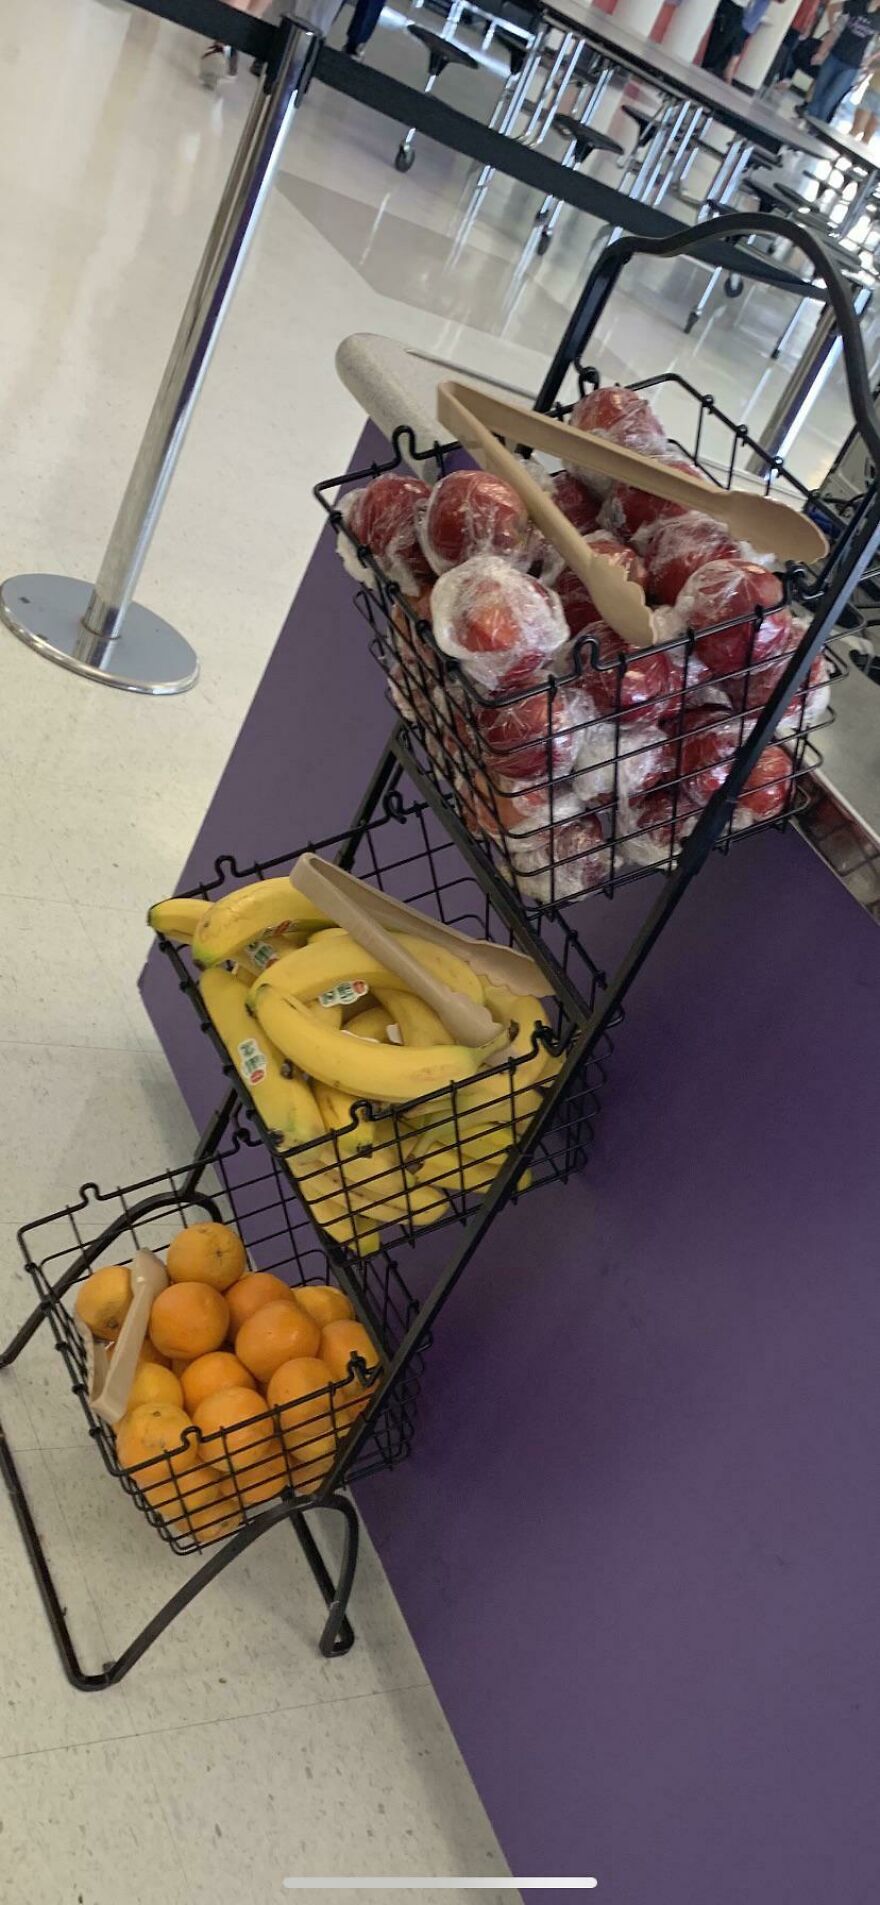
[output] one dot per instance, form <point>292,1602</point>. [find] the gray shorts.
<point>870,101</point>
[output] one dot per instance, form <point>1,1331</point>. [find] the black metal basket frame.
<point>826,600</point>
<point>395,840</point>
<point>444,709</point>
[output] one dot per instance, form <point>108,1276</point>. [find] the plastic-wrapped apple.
<point>651,829</point>
<point>578,505</point>
<point>767,792</point>
<point>735,593</point>
<point>674,549</point>
<point>627,510</point>
<point>709,741</point>
<point>808,708</point>
<point>578,605</point>
<point>535,737</point>
<point>647,685</point>
<point>473,513</point>
<point>646,760</point>
<point>562,862</point>
<point>501,625</point>
<point>384,517</point>
<point>621,414</point>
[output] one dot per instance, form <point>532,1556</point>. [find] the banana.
<point>177,919</point>
<point>332,958</point>
<point>286,1105</point>
<point>352,1131</point>
<point>250,913</point>
<point>372,1023</point>
<point>391,1074</point>
<point>260,954</point>
<point>419,1024</point>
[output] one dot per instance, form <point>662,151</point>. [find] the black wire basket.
<point>398,1170</point>
<point>595,776</point>
<point>200,1492</point>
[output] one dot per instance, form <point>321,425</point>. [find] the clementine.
<point>274,1334</point>
<point>325,1303</point>
<point>250,1293</point>
<point>206,1253</point>
<point>188,1319</point>
<point>299,1390</point>
<point>154,1383</point>
<point>218,1370</point>
<point>339,1343</point>
<point>102,1301</point>
<point>154,1434</point>
<point>235,1428</point>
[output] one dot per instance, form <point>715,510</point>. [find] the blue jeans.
<point>831,85</point>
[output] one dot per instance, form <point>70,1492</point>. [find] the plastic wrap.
<point>768,790</point>
<point>384,516</point>
<point>675,549</point>
<point>808,708</point>
<point>627,509</point>
<point>652,829</point>
<point>498,815</point>
<point>535,738</point>
<point>735,592</point>
<point>564,863</point>
<point>578,605</point>
<point>501,625</point>
<point>648,686</point>
<point>473,513</point>
<point>708,746</point>
<point>579,506</point>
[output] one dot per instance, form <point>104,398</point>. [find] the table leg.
<point>567,51</point>
<point>804,385</point>
<point>511,112</point>
<point>675,168</point>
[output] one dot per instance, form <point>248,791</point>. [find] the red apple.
<point>674,549</point>
<point>472,513</point>
<point>384,517</point>
<point>613,411</point>
<point>627,509</point>
<point>767,791</point>
<point>735,594</point>
<point>562,862</point>
<point>535,737</point>
<point>502,626</point>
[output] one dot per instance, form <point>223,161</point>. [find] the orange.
<point>274,1334</point>
<point>188,1319</point>
<point>299,1390</point>
<point>102,1301</point>
<point>324,1303</point>
<point>154,1434</point>
<point>154,1383</point>
<point>206,1253</point>
<point>218,1370</point>
<point>148,1353</point>
<point>259,1481</point>
<point>250,1293</point>
<point>218,1515</point>
<point>244,1440</point>
<point>339,1342</point>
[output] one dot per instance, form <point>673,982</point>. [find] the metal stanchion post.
<point>99,632</point>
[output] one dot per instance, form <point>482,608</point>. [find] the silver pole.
<point>98,632</point>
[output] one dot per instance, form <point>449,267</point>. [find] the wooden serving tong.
<point>372,919</point>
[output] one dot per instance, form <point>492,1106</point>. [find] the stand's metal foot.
<point>337,1636</point>
<point>147,657</point>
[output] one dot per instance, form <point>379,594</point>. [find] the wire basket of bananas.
<point>385,1120</point>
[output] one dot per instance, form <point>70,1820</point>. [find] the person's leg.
<point>833,82</point>
<point>362,24</point>
<point>724,34</point>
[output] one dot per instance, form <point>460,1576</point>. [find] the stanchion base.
<point>147,658</point>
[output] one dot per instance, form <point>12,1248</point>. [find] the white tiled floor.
<point>233,1753</point>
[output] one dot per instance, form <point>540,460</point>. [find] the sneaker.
<point>216,64</point>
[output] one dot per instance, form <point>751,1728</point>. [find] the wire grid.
<point>563,802</point>
<point>402,1169</point>
<point>288,1450</point>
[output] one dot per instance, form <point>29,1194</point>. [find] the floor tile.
<point>250,1642</point>
<point>56,988</point>
<point>356,1787</point>
<point>81,1826</point>
<point>113,1118</point>
<point>39,1708</point>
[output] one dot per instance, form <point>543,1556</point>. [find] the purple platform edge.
<point>638,1541</point>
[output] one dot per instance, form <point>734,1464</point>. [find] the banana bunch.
<point>380,1116</point>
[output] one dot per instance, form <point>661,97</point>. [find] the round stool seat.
<point>441,52</point>
<point>587,138</point>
